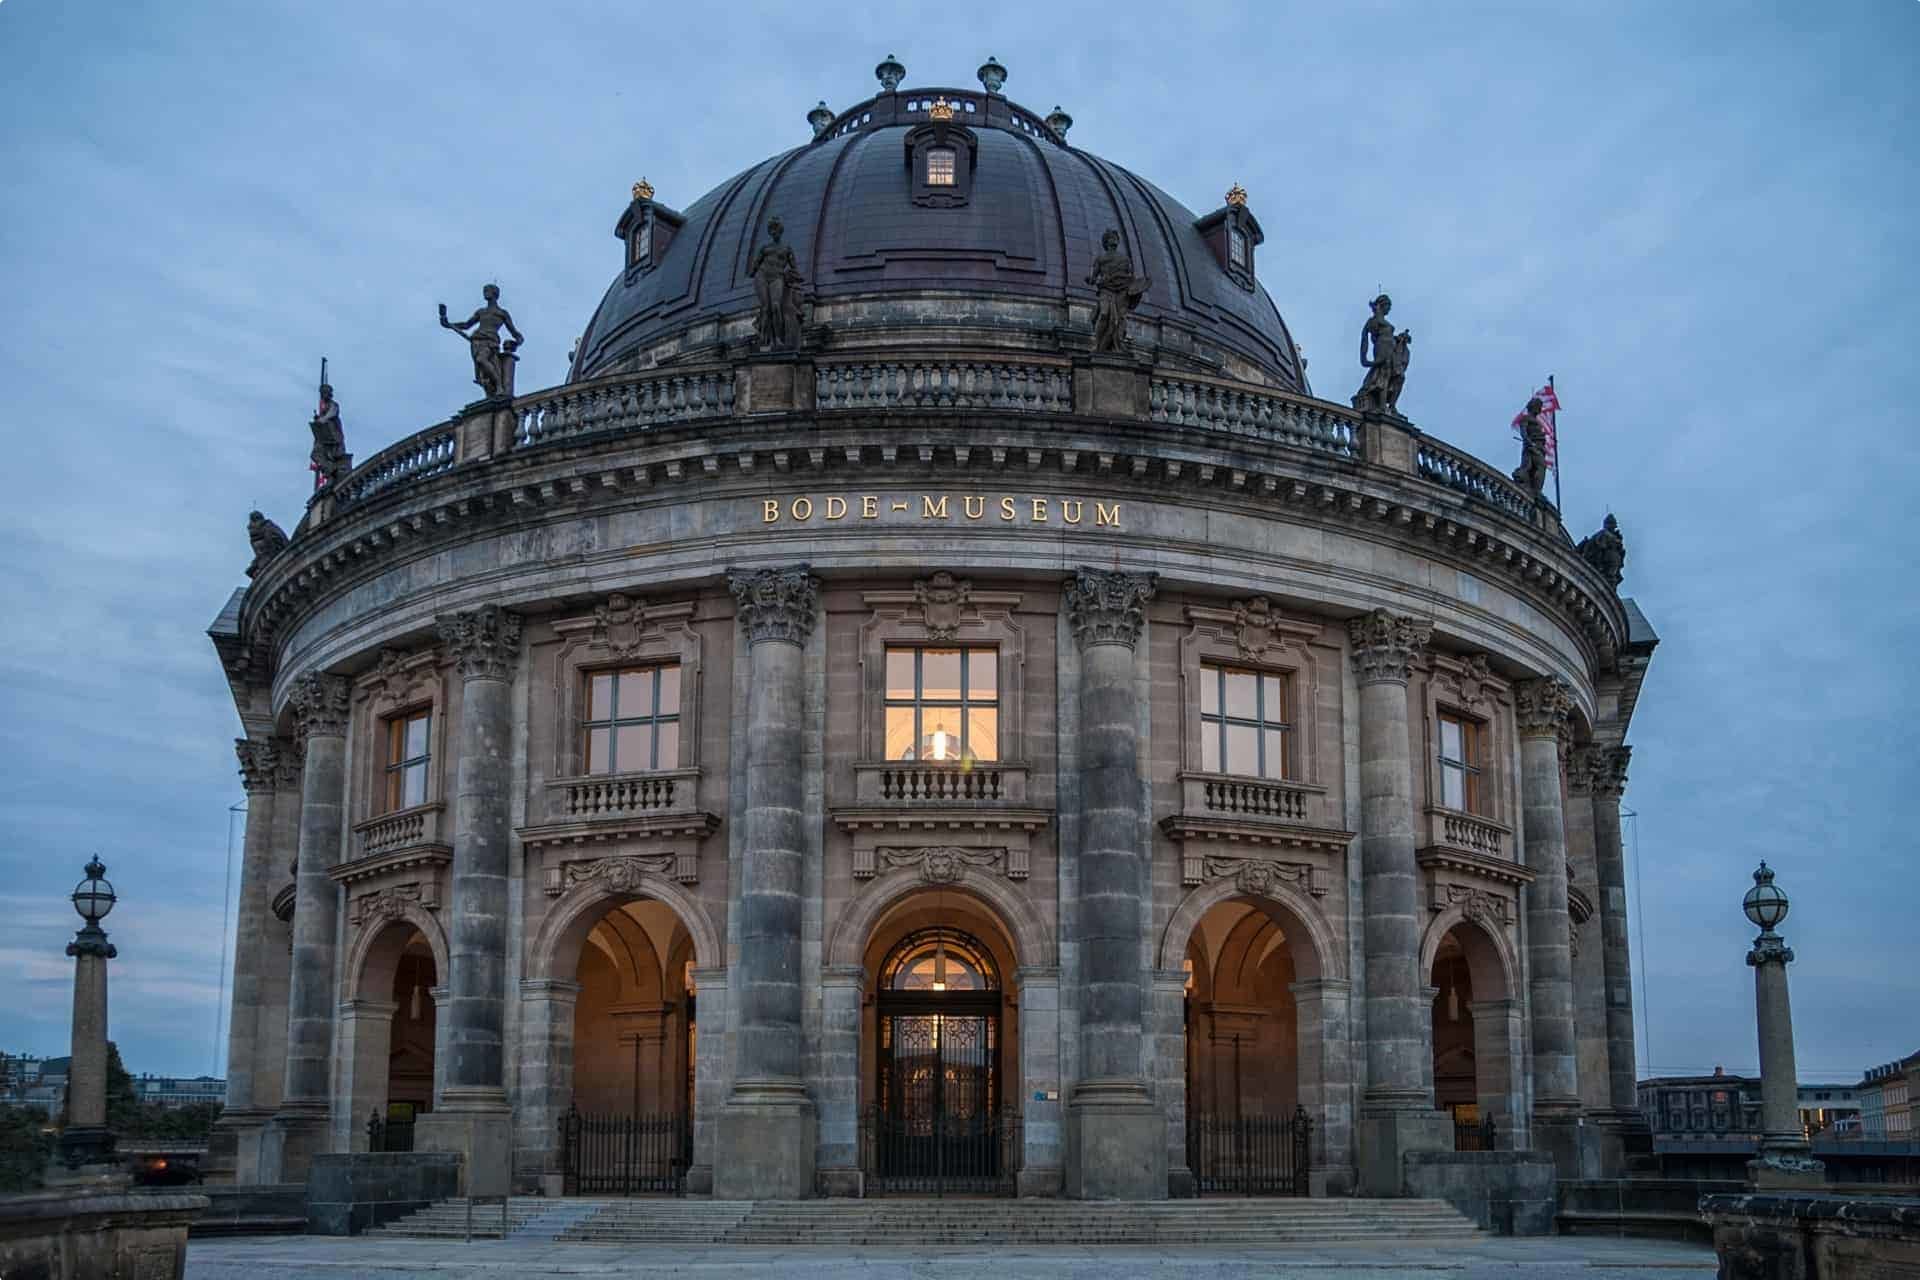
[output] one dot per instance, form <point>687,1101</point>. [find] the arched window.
<point>939,959</point>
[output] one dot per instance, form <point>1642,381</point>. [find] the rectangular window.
<point>940,166</point>
<point>1460,764</point>
<point>1237,247</point>
<point>943,704</point>
<point>633,720</point>
<point>1245,727</point>
<point>408,753</point>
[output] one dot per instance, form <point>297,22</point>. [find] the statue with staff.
<point>482,332</point>
<point>329,460</point>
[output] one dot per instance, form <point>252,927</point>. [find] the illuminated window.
<point>940,172</point>
<point>939,959</point>
<point>943,704</point>
<point>633,720</point>
<point>408,753</point>
<point>1460,763</point>
<point>1244,725</point>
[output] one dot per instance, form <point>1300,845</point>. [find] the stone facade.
<point>648,725</point>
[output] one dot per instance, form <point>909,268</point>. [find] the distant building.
<point>1701,1106</point>
<point>1832,1109</point>
<point>171,1091</point>
<point>1886,1096</point>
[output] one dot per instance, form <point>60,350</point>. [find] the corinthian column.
<point>1116,1135</point>
<point>767,1129</point>
<point>1397,1114</point>
<point>241,1121</point>
<point>298,1130</point>
<point>1542,708</point>
<point>472,1116</point>
<point>1630,1132</point>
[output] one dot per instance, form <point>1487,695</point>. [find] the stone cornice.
<point>1255,831</point>
<point>484,643</point>
<point>419,855</point>
<point>1386,646</point>
<point>320,705</point>
<point>1462,863</point>
<point>686,825</point>
<point>1107,607</point>
<point>776,604</point>
<point>1543,708</point>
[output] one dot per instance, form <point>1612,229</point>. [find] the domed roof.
<point>1021,240</point>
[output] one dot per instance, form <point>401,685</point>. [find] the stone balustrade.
<point>1255,797</point>
<point>426,453</point>
<point>632,404</point>
<point>401,829</point>
<point>620,795</point>
<point>1456,830</point>
<point>1442,465</point>
<point>1192,402</point>
<point>940,783</point>
<point>1029,386</point>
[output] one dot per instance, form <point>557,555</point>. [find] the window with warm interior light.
<point>409,750</point>
<point>632,723</point>
<point>940,166</point>
<point>1244,722</point>
<point>1460,782</point>
<point>943,704</point>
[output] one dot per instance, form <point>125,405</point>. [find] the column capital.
<point>320,706</point>
<point>556,989</point>
<point>259,763</point>
<point>1610,771</point>
<point>1543,708</point>
<point>1768,948</point>
<point>484,642</point>
<point>289,760</point>
<point>776,604</point>
<point>1583,769</point>
<point>1106,606</point>
<point>1386,645</point>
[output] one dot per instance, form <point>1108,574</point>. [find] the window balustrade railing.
<point>632,405</point>
<point>1221,407</point>
<point>1479,835</point>
<point>1442,465</point>
<point>401,829</point>
<point>619,795</point>
<point>1028,386</point>
<point>934,783</point>
<point>1261,798</point>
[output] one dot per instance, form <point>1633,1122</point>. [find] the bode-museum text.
<point>975,507</point>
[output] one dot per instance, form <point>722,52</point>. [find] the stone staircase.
<point>909,1223</point>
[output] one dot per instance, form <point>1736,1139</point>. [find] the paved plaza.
<point>328,1258</point>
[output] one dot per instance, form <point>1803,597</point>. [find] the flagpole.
<point>1556,447</point>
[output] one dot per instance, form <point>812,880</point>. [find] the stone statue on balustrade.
<point>268,540</point>
<point>329,460</point>
<point>1120,292</point>
<point>779,292</point>
<point>1385,356</point>
<point>1532,471</point>
<point>1606,550</point>
<point>492,373</point>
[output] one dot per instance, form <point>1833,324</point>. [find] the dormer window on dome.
<point>1232,233</point>
<point>646,229</point>
<point>941,156</point>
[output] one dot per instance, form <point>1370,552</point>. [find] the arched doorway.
<point>942,1051</point>
<point>1473,1024</point>
<point>390,1028</point>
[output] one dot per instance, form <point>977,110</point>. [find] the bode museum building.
<point>935,702</point>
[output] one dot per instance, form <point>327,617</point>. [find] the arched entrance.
<point>610,1014</point>
<point>389,1030</point>
<point>941,1050</point>
<point>1474,1028</point>
<point>1258,1102</point>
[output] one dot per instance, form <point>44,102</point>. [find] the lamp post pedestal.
<point>85,1157</point>
<point>1786,1158</point>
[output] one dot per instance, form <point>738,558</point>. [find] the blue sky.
<point>1700,217</point>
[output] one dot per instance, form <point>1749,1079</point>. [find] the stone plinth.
<point>479,1131</point>
<point>1510,1193</point>
<point>1765,1236</point>
<point>55,1235</point>
<point>767,1137</point>
<point>1116,1140</point>
<point>1388,1137</point>
<point>346,1194</point>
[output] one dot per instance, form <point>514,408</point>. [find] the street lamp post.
<point>87,1143</point>
<point>1785,1158</point>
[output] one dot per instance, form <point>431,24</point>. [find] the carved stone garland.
<point>1489,910</point>
<point>776,604</point>
<point>1108,607</point>
<point>1386,645</point>
<point>938,864</point>
<point>621,873</point>
<point>1261,876</point>
<point>485,642</point>
<point>391,903</point>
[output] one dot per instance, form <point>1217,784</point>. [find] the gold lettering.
<point>1039,510</point>
<point>869,507</point>
<point>1103,514</point>
<point>770,511</point>
<point>836,508</point>
<point>976,507</point>
<point>1070,510</point>
<point>930,511</point>
<point>900,506</point>
<point>803,508</point>
<point>1006,508</point>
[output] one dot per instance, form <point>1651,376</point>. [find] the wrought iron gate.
<point>939,1124</point>
<point>1249,1155</point>
<point>624,1155</point>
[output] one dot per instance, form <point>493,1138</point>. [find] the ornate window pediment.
<point>1466,739</point>
<point>400,749</point>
